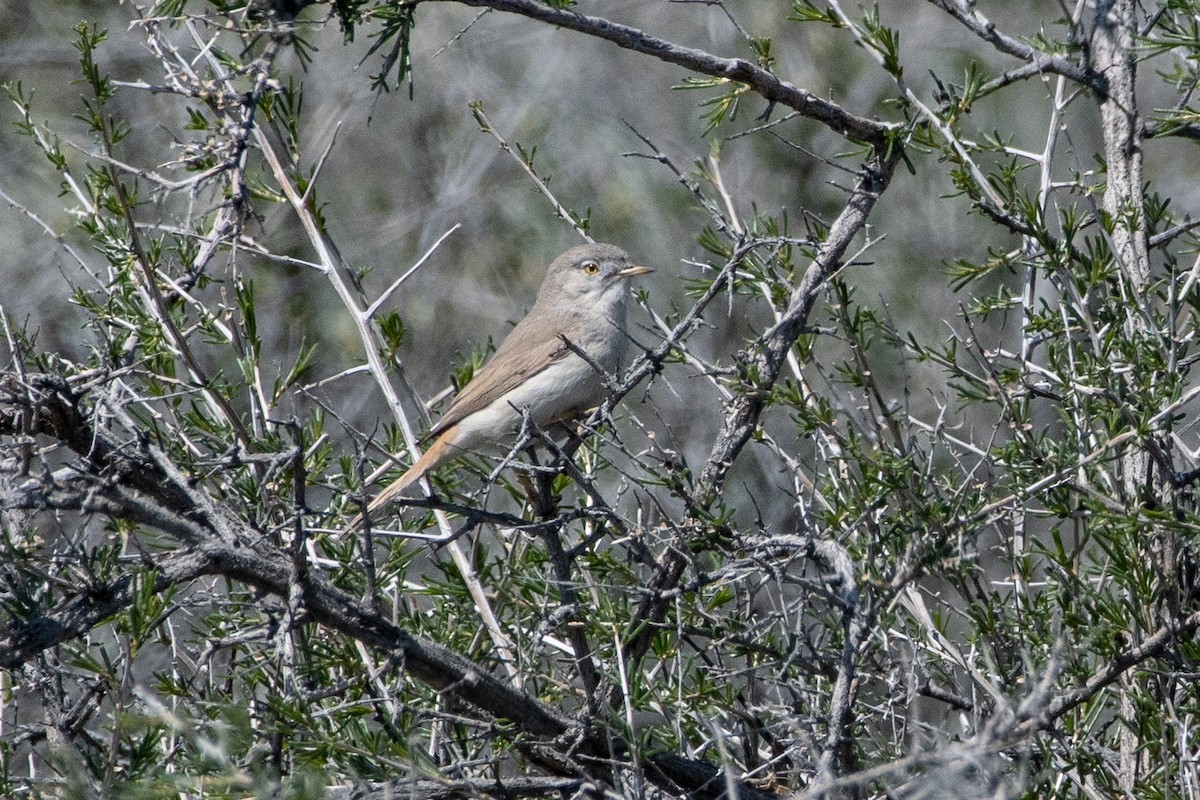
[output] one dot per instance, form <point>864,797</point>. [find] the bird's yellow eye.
<point>591,268</point>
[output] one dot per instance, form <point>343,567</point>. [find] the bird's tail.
<point>438,452</point>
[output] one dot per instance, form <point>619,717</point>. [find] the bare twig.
<point>563,213</point>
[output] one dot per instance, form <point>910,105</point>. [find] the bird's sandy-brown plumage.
<point>582,300</point>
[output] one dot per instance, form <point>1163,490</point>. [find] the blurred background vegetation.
<point>972,587</point>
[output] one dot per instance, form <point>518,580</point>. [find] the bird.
<point>538,370</point>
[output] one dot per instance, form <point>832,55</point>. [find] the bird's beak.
<point>633,272</point>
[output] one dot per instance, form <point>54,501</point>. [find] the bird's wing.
<point>524,353</point>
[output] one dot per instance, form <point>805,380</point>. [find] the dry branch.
<point>762,81</point>
<point>141,485</point>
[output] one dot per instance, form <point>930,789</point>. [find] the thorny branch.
<point>136,477</point>
<point>762,81</point>
<point>117,474</point>
<point>758,368</point>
